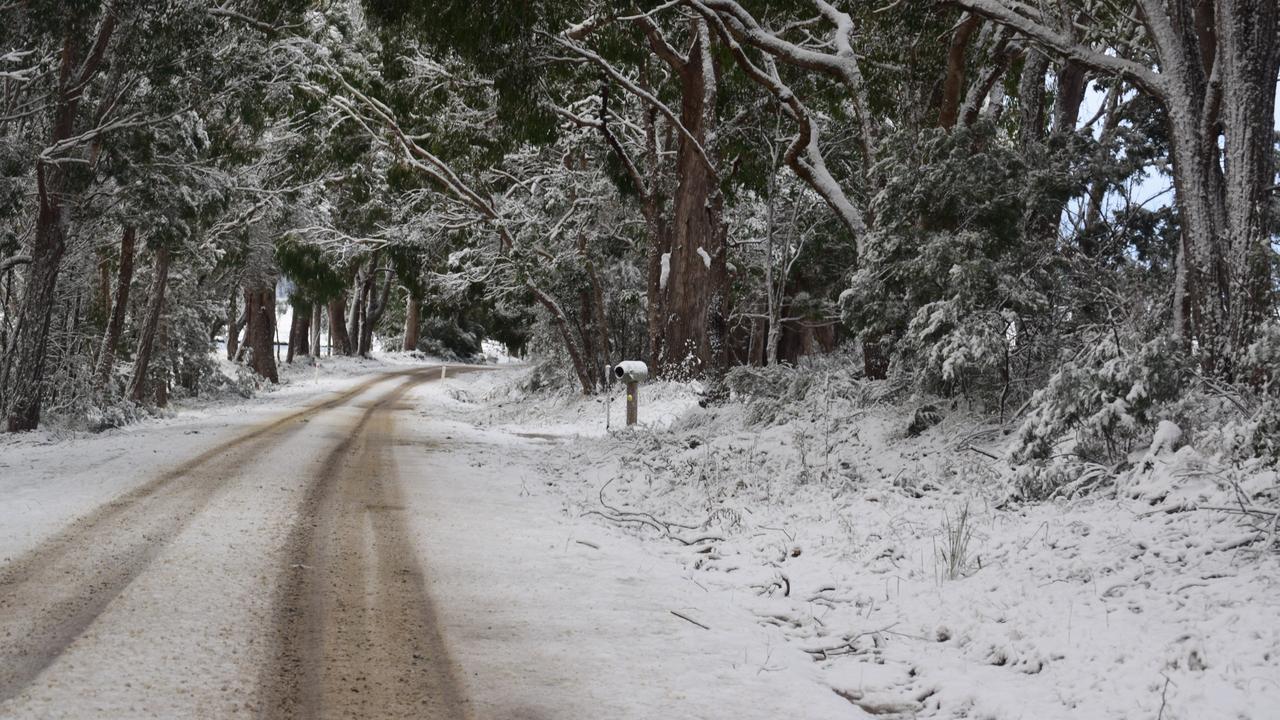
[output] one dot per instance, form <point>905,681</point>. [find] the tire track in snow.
<point>357,633</point>
<point>51,594</point>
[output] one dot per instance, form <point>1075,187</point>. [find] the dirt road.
<point>381,552</point>
<point>350,630</point>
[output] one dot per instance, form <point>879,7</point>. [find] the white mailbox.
<point>631,371</point>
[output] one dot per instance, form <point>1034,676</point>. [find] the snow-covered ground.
<point>897,569</point>
<point>53,475</point>
<point>544,614</point>
<point>749,560</point>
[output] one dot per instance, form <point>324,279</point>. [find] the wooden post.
<point>633,402</point>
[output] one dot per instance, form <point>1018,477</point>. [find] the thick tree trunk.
<point>261,305</point>
<point>1031,94</point>
<point>299,332</point>
<point>695,297</point>
<point>304,332</point>
<point>115,322</point>
<point>953,83</point>
<point>1073,80</point>
<point>147,335</point>
<point>412,321</point>
<point>339,340</point>
<point>373,310</point>
<point>36,313</point>
<point>1222,147</point>
<point>80,59</point>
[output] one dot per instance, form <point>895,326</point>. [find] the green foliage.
<point>318,278</point>
<point>951,279</point>
<point>505,40</point>
<point>1104,401</point>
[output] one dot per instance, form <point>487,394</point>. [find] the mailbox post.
<point>632,372</point>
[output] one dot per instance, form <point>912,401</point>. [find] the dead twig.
<point>982,452</point>
<point>1163,699</point>
<point>618,515</point>
<point>686,618</point>
<point>846,647</point>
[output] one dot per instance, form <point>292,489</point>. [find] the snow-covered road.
<point>356,554</point>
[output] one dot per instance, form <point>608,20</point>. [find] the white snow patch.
<point>706,259</point>
<point>666,271</point>
<point>834,532</point>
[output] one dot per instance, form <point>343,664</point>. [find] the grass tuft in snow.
<point>957,533</point>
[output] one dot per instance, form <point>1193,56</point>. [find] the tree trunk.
<point>376,304</point>
<point>412,320</point>
<point>1223,285</point>
<point>1031,94</point>
<point>1073,80</point>
<point>115,323</point>
<point>304,332</point>
<point>233,325</point>
<point>299,331</point>
<point>317,315</point>
<point>32,332</point>
<point>561,324</point>
<point>696,283</point>
<point>81,57</point>
<point>147,336</point>
<point>358,295</point>
<point>953,83</point>
<point>339,340</point>
<point>36,312</point>
<point>261,305</point>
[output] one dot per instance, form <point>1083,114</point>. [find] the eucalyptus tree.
<point>651,91</point>
<point>111,76</point>
<point>1213,68</point>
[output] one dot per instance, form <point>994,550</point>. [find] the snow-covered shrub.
<point>953,281</point>
<point>776,393</point>
<point>1262,436</point>
<point>1096,409</point>
<point>1261,366</point>
<point>1241,422</point>
<point>109,414</point>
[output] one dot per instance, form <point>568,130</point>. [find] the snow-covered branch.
<point>804,155</point>
<point>644,95</point>
<point>1028,22</point>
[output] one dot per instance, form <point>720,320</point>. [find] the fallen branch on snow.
<point>618,515</point>
<point>686,618</point>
